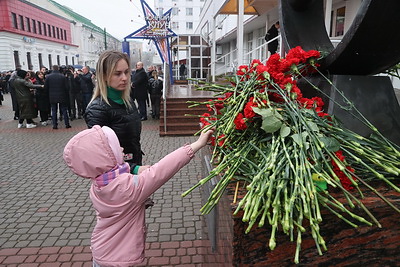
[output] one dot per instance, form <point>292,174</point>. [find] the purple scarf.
<point>106,178</point>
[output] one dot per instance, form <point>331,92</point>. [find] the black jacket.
<point>56,84</point>
<point>86,83</point>
<point>271,34</point>
<point>125,123</point>
<point>140,85</point>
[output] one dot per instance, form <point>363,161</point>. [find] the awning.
<point>251,7</point>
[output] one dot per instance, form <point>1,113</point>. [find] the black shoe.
<point>68,126</point>
<point>55,127</point>
<point>143,119</point>
<point>16,118</point>
<point>79,117</point>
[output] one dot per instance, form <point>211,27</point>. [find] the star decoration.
<point>156,29</point>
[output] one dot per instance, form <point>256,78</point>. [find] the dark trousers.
<point>155,106</point>
<point>44,115</point>
<point>64,112</point>
<point>86,97</point>
<point>76,98</point>
<point>142,108</point>
<point>30,121</point>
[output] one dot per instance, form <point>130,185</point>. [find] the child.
<point>119,197</point>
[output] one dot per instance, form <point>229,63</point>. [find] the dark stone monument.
<point>370,46</point>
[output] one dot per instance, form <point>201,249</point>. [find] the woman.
<point>156,86</point>
<point>42,99</point>
<point>112,106</point>
<point>24,93</point>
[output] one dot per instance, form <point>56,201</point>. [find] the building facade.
<point>185,14</point>
<point>39,33</point>
<point>237,38</point>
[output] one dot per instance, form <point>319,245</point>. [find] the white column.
<point>328,18</point>
<point>213,48</point>
<point>239,32</point>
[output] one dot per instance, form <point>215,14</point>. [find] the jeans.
<point>86,97</point>
<point>64,112</point>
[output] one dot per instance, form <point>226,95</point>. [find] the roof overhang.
<point>251,7</point>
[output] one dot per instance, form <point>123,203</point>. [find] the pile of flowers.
<point>290,152</point>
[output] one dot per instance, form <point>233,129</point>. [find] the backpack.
<point>156,87</point>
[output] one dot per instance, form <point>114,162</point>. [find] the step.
<point>172,126</point>
<point>183,112</point>
<point>178,133</point>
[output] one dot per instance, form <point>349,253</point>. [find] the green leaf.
<point>272,121</point>
<point>297,138</point>
<point>271,124</point>
<point>313,126</point>
<point>331,144</point>
<point>285,131</point>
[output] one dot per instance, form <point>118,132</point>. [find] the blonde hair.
<point>104,70</point>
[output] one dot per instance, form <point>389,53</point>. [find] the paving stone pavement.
<point>46,216</point>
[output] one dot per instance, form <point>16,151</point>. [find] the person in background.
<point>119,198</point>
<point>112,105</point>
<point>13,76</point>
<point>140,89</point>
<point>42,99</point>
<point>24,92</point>
<point>271,34</point>
<point>156,87</point>
<point>182,71</point>
<point>56,84</point>
<point>85,78</point>
<point>75,95</point>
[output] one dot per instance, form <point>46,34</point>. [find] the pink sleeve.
<point>154,177</point>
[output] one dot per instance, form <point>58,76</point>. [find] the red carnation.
<point>240,122</point>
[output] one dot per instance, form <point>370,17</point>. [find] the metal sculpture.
<point>370,46</point>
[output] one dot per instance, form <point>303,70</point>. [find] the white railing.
<point>230,62</point>
<point>166,87</point>
<point>260,52</point>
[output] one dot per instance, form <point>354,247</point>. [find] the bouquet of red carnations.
<point>289,151</point>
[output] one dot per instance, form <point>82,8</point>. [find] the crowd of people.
<point>63,93</point>
<point>42,93</point>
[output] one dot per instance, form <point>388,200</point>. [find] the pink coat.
<point>118,238</point>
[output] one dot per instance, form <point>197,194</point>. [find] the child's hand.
<point>203,139</point>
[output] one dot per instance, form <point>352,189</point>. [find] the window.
<point>160,11</point>
<point>58,33</point>
<point>73,61</point>
<point>189,11</point>
<point>66,60</point>
<point>29,60</point>
<point>49,30</point>
<point>16,59</point>
<point>21,21</point>
<point>340,16</point>
<point>175,11</point>
<point>44,29</point>
<point>189,25</point>
<point>58,60</point>
<point>50,62</point>
<point>40,60</point>
<point>250,41</point>
<point>65,35</point>
<point>28,24</point>
<point>14,20</point>
<point>175,25</point>
<point>34,26</point>
<point>54,31</point>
